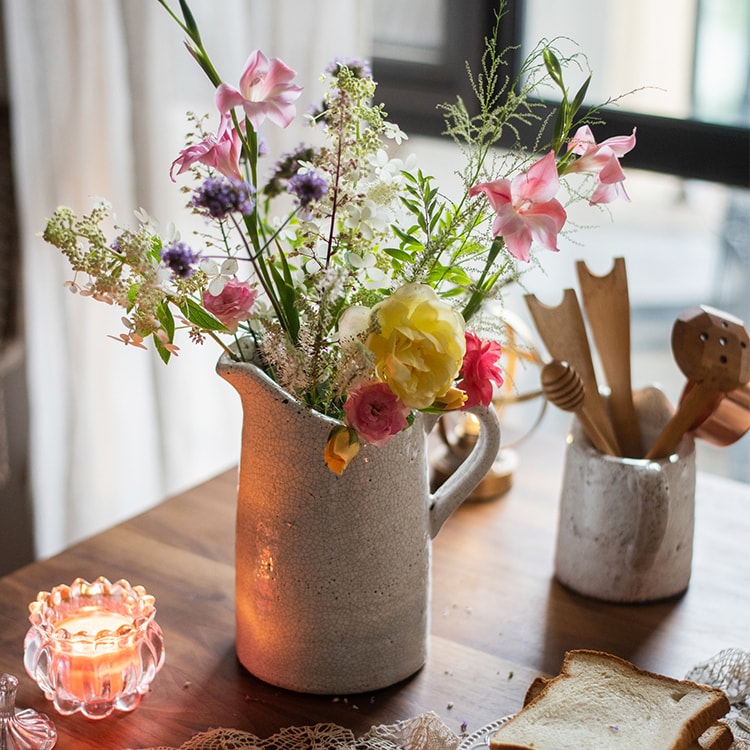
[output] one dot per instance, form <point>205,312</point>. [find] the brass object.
<point>457,432</point>
<point>456,444</point>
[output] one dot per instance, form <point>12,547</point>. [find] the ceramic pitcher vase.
<point>333,572</point>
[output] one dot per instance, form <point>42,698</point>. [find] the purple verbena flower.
<point>307,187</point>
<point>262,146</point>
<point>287,166</point>
<point>359,67</point>
<point>221,196</point>
<point>178,257</point>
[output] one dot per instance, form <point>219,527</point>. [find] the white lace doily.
<point>729,670</point>
<point>426,732</point>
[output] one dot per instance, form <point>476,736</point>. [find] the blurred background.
<point>94,97</point>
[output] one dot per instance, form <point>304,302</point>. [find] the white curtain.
<point>99,90</point>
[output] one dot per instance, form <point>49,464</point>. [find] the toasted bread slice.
<point>598,697</point>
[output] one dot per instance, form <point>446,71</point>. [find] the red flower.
<point>480,369</point>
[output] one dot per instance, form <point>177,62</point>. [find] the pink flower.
<point>265,90</point>
<point>525,207</point>
<point>220,151</point>
<point>603,159</point>
<point>375,412</point>
<point>480,370</point>
<point>233,305</point>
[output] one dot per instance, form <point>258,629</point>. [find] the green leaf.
<point>199,316</point>
<point>553,67</point>
<point>164,353</point>
<point>435,219</point>
<point>286,296</point>
<point>398,254</point>
<point>166,319</point>
<point>407,239</point>
<point>561,127</point>
<point>413,207</point>
<point>190,23</point>
<point>579,97</point>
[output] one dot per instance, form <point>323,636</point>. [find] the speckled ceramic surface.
<point>625,531</point>
<point>333,572</point>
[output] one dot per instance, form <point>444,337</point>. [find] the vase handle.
<point>470,473</point>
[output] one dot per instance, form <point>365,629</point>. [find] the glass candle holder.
<point>93,647</point>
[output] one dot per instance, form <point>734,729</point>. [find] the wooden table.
<point>498,616</point>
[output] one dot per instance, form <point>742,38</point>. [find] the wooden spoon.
<point>564,334</point>
<point>607,305</point>
<point>712,349</point>
<point>562,386</point>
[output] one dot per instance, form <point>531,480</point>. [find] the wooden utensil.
<point>727,420</point>
<point>562,386</point>
<point>607,305</point>
<point>563,332</point>
<point>712,349</point>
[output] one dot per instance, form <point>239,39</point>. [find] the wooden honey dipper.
<point>563,387</point>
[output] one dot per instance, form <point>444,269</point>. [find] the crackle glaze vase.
<point>333,572</point>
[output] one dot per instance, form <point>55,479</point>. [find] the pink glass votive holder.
<point>93,647</point>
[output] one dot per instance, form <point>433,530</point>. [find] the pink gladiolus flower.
<point>480,369</point>
<point>526,208</point>
<point>265,90</point>
<point>603,159</point>
<point>220,151</point>
<point>375,412</point>
<point>233,305</point>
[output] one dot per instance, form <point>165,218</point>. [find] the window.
<point>686,233</point>
<point>694,107</point>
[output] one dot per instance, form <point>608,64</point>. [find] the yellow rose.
<point>418,341</point>
<point>342,447</point>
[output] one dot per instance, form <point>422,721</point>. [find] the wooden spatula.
<point>563,332</point>
<point>607,305</point>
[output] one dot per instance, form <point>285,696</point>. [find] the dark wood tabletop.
<point>498,616</point>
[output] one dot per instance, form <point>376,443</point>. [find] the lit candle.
<point>100,658</point>
<point>94,647</point>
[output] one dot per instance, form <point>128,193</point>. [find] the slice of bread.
<point>600,701</point>
<point>717,737</point>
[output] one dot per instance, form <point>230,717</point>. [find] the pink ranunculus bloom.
<point>220,151</point>
<point>266,90</point>
<point>525,207</point>
<point>375,412</point>
<point>480,369</point>
<point>602,159</point>
<point>233,305</point>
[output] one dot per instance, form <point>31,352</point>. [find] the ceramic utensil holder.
<point>625,530</point>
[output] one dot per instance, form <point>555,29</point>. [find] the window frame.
<point>683,147</point>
